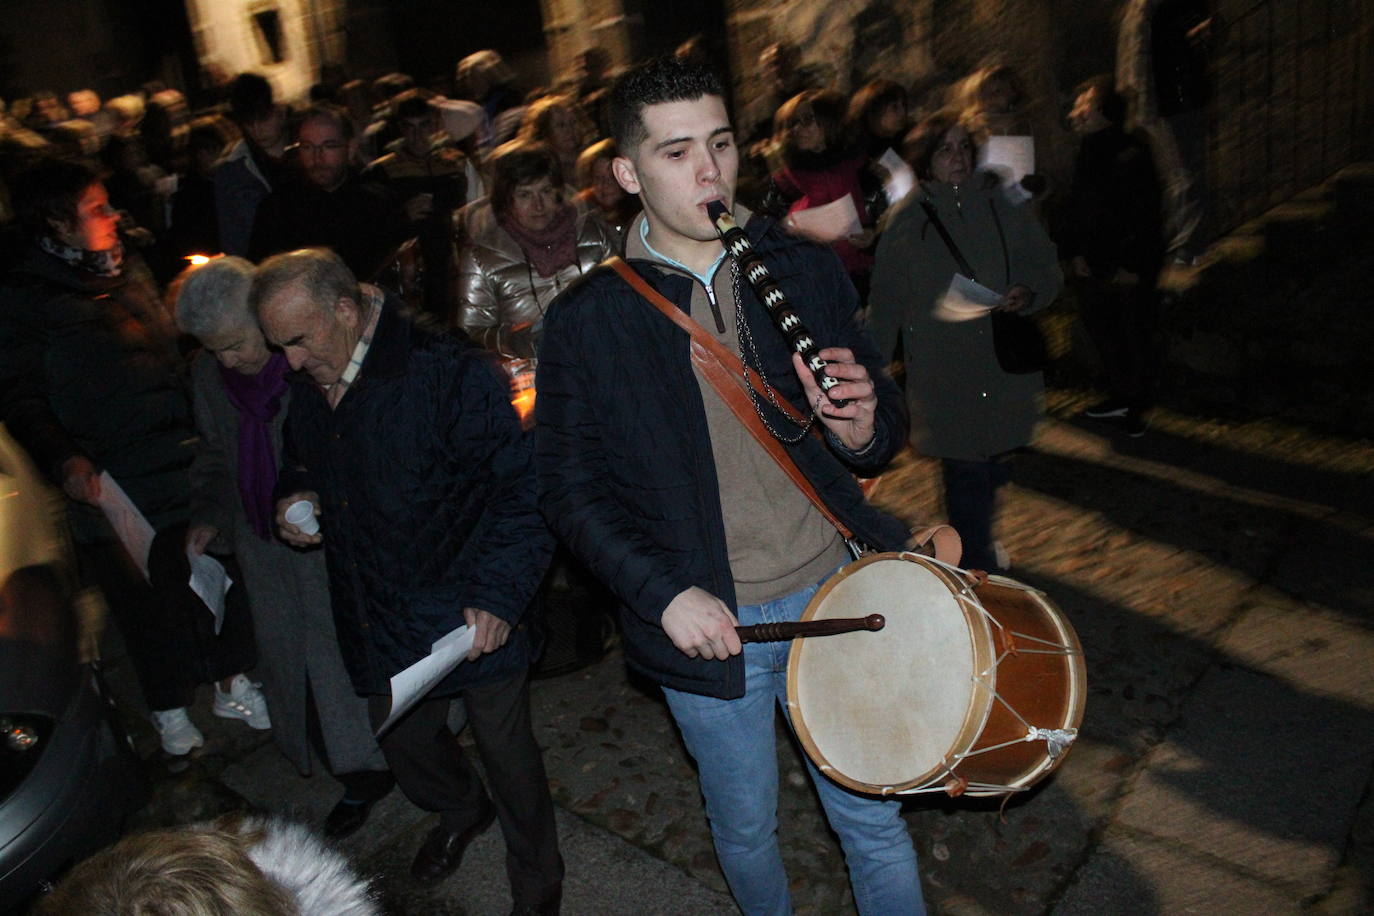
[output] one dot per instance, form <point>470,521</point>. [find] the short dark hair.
<point>48,192</point>
<point>869,102</point>
<point>825,105</point>
<point>413,103</point>
<point>1110,102</point>
<point>520,162</point>
<point>322,111</point>
<point>663,79</point>
<point>920,145</point>
<point>250,98</point>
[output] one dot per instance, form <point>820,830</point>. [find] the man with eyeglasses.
<point>328,204</point>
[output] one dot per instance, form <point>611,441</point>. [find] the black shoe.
<point>549,906</point>
<point>348,815</point>
<point>442,851</point>
<point>1112,407</point>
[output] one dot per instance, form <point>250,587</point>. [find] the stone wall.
<point>1294,79</point>
<point>929,45</point>
<point>228,36</point>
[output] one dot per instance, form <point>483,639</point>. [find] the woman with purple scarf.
<point>240,398</point>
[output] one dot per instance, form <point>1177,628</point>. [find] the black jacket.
<point>89,367</point>
<point>427,502</point>
<point>361,220</point>
<point>1114,217</point>
<point>626,473</point>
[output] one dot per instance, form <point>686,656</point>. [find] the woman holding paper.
<point>877,122</point>
<point>819,179</point>
<point>240,396</point>
<point>91,385</point>
<point>965,409</point>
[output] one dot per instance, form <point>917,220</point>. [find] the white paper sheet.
<point>830,222</point>
<point>1010,159</point>
<point>900,178</point>
<point>413,683</point>
<point>210,581</point>
<point>128,523</point>
<point>965,300</point>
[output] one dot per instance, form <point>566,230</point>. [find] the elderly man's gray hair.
<point>321,272</point>
<point>214,297</point>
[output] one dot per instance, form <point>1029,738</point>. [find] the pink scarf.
<point>552,248</point>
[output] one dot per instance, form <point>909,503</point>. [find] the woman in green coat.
<point>964,409</point>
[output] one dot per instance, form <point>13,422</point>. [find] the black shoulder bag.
<point>1016,339</point>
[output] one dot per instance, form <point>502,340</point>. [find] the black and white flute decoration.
<point>737,244</point>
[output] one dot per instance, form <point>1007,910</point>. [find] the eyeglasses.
<point>309,149</point>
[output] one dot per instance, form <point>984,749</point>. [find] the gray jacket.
<point>962,404</point>
<point>288,591</point>
<point>498,288</point>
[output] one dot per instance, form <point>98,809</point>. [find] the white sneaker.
<point>179,734</point>
<point>243,701</point>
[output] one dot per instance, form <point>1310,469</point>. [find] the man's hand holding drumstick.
<point>700,624</point>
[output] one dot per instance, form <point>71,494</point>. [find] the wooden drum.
<point>969,688</point>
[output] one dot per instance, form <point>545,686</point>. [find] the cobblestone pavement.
<point>1219,578</point>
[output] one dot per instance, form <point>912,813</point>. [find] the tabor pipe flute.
<point>772,297</point>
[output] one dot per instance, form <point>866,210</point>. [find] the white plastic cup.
<point>301,513</point>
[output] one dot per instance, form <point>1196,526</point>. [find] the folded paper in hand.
<point>210,581</point>
<point>965,300</point>
<point>128,523</point>
<point>830,222</point>
<point>410,685</point>
<point>900,178</point>
<point>1010,159</point>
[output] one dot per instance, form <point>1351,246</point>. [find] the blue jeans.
<point>734,746</point>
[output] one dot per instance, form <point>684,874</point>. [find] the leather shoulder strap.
<point>945,237</point>
<point>726,374</point>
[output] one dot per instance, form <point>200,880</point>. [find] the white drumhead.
<point>885,708</point>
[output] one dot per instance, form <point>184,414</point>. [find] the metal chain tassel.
<point>749,353</point>
<point>771,295</point>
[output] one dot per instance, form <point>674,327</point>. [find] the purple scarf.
<point>552,248</point>
<point>257,399</point>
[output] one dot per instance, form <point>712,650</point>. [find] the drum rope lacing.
<point>1056,739</point>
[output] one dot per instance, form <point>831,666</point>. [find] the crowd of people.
<point>390,268</point>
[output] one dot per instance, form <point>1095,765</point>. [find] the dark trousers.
<point>971,501</point>
<point>169,632</point>
<point>1121,319</point>
<point>431,769</point>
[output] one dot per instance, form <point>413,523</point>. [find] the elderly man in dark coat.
<point>240,394</point>
<point>406,444</point>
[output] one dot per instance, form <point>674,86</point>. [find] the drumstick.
<point>773,632</point>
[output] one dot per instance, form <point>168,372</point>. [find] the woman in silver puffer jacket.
<point>522,247</point>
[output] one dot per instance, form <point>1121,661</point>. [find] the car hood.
<point>39,672</point>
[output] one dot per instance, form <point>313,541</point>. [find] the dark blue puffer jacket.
<point>427,503</point>
<point>626,475</point>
